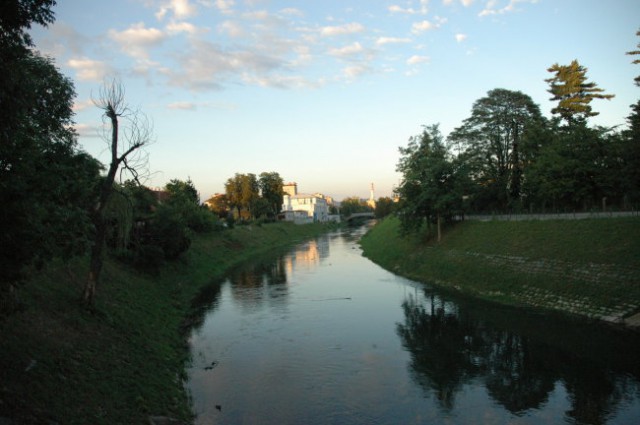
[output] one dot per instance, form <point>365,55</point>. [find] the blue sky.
<point>324,92</point>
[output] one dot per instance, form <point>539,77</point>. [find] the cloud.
<point>225,6</point>
<point>291,11</point>
<point>391,40</point>
<point>465,3</point>
<point>89,70</point>
<point>208,65</point>
<point>346,51</point>
<point>350,28</point>
<point>415,60</point>
<point>184,106</point>
<point>355,71</point>
<point>87,130</point>
<point>79,105</point>
<point>419,27</point>
<point>423,10</point>
<point>181,9</point>
<point>492,8</point>
<point>136,40</point>
<point>193,106</point>
<point>460,37</point>
<point>232,29</point>
<point>178,27</point>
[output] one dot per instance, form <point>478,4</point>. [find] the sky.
<point>324,92</point>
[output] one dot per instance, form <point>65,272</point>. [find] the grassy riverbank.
<point>585,267</point>
<point>124,362</point>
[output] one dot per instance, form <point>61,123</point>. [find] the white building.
<point>302,207</point>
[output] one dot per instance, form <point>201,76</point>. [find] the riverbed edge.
<point>124,362</point>
<point>579,285</point>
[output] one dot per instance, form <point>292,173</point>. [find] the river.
<point>321,335</point>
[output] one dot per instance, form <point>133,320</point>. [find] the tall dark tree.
<point>46,183</point>
<point>183,192</point>
<point>496,140</point>
<point>126,158</point>
<point>271,191</point>
<point>572,91</point>
<point>636,61</point>
<point>432,184</point>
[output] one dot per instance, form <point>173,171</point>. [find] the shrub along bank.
<point>124,361</point>
<point>585,267</point>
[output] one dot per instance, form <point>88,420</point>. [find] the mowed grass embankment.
<point>588,267</point>
<point>123,362</point>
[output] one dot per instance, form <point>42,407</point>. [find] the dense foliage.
<point>47,184</point>
<point>248,197</point>
<point>506,157</point>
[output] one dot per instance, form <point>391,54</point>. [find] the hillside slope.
<point>585,267</point>
<point>123,362</point>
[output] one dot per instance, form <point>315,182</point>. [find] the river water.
<point>321,335</point>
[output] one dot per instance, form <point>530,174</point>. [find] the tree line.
<point>57,200</point>
<point>507,157</point>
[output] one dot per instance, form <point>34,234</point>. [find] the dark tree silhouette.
<point>126,158</point>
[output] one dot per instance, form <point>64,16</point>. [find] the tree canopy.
<point>569,86</point>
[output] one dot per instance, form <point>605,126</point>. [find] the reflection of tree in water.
<point>442,354</point>
<point>518,376</point>
<point>260,282</point>
<point>450,346</point>
<point>201,305</point>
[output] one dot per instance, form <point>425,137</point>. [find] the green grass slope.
<point>586,267</point>
<point>125,361</point>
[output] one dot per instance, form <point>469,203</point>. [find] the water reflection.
<point>318,334</point>
<point>452,347</point>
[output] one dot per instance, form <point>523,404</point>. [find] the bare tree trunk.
<point>439,228</point>
<point>138,135</point>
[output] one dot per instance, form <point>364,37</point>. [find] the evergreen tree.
<point>636,61</point>
<point>573,93</point>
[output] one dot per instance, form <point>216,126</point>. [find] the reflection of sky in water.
<point>322,335</point>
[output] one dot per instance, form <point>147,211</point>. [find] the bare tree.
<point>127,158</point>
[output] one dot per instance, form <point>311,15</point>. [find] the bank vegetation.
<point>586,267</point>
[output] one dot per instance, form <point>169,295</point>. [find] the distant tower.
<point>290,188</point>
<point>371,202</point>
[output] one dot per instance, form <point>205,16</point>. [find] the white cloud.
<point>89,70</point>
<point>181,9</point>
<point>460,37</point>
<point>87,130</point>
<point>225,6</point>
<point>355,71</point>
<point>419,27</point>
<point>350,28</point>
<point>80,105</point>
<point>292,11</point>
<point>391,40</point>
<point>185,106</point>
<point>350,50</point>
<point>423,10</point>
<point>231,28</point>
<point>415,60</point>
<point>208,65</point>
<point>137,39</point>
<point>465,3</point>
<point>178,27</point>
<point>492,7</point>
